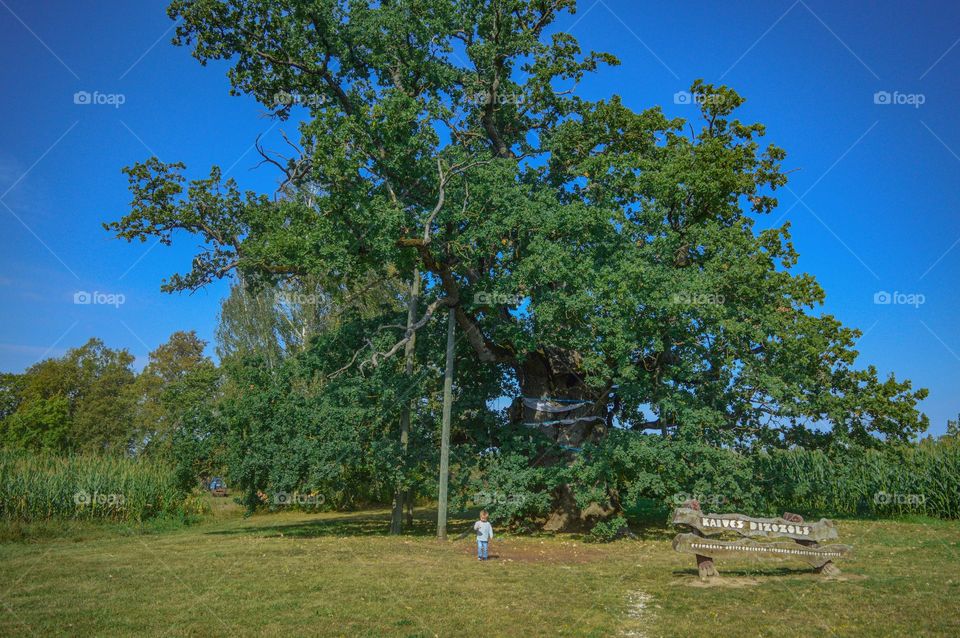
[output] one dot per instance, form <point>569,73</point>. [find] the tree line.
<point>92,400</point>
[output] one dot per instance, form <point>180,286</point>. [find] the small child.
<point>484,534</point>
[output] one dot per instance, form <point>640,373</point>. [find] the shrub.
<point>636,468</point>
<point>511,489</point>
<point>609,530</point>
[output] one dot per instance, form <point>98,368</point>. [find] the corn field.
<point>36,487</point>
<point>923,480</point>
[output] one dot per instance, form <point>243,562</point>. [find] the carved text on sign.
<point>816,556</point>
<point>805,538</point>
<point>711,524</point>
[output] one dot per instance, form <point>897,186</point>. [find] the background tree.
<point>271,321</point>
<point>177,381</point>
<point>274,321</point>
<point>10,393</point>
<point>80,402</point>
<point>953,428</point>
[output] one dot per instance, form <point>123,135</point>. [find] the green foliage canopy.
<point>447,135</point>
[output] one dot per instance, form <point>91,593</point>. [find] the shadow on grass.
<point>766,572</point>
<point>647,522</point>
<point>652,531</point>
<point>360,524</point>
<point>459,526</point>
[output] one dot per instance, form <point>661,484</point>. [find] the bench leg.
<point>706,568</point>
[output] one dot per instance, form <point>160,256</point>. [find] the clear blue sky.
<point>875,200</point>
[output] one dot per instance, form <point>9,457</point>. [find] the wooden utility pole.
<point>405,497</point>
<point>410,355</point>
<point>445,430</point>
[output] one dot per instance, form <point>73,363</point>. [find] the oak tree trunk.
<point>556,375</point>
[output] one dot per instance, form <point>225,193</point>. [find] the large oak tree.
<point>590,251</point>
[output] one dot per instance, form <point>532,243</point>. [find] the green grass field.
<point>299,574</point>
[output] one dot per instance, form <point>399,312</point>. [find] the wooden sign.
<point>711,524</point>
<point>805,538</point>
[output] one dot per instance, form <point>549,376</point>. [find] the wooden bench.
<point>805,539</point>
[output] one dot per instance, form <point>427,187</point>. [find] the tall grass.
<point>37,487</point>
<point>921,479</point>
<point>918,479</point>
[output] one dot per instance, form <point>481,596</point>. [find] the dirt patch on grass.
<point>843,577</point>
<point>534,551</point>
<point>638,614</point>
<point>737,582</point>
<point>724,582</point>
